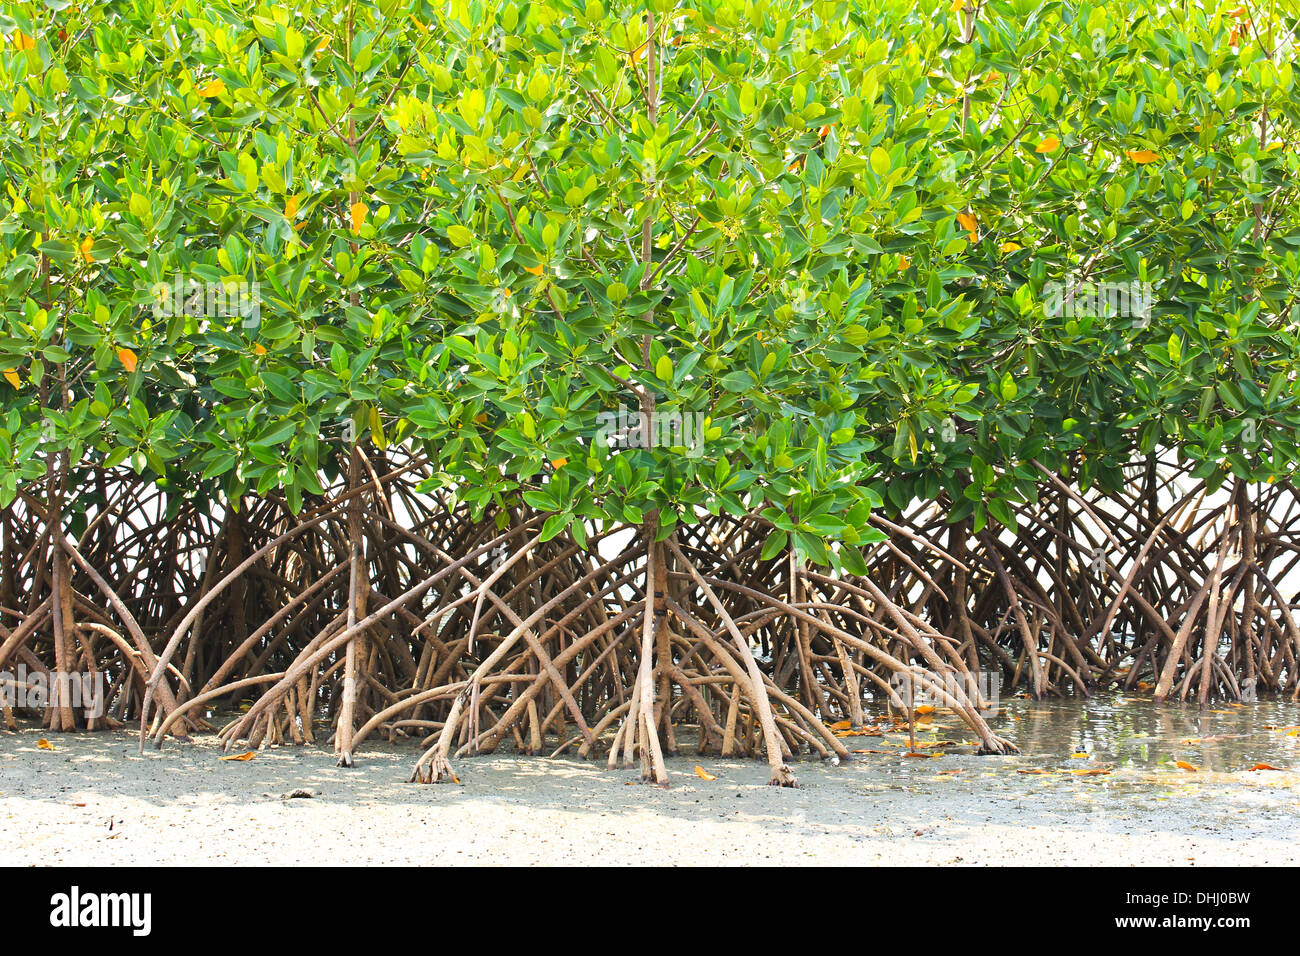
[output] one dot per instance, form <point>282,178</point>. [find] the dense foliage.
<point>843,257</point>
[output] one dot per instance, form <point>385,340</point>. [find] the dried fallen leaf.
<point>241,757</point>
<point>841,725</point>
<point>925,709</point>
<point>1089,772</point>
<point>1081,755</point>
<point>704,774</point>
<point>1184,765</point>
<point>1035,770</point>
<point>44,744</point>
<point>1265,766</point>
<point>913,753</point>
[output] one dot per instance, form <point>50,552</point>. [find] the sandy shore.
<point>94,800</point>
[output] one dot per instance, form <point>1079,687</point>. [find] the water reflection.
<point>1133,732</point>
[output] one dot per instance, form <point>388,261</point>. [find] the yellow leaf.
<point>359,211</point>
<point>481,417</point>
<point>1081,755</point>
<point>1142,156</point>
<point>212,88</point>
<point>559,463</point>
<point>241,757</point>
<point>1010,246</point>
<point>24,41</point>
<point>291,207</point>
<point>925,709</point>
<point>86,245</point>
<point>534,270</point>
<point>967,221</point>
<point>1049,145</point>
<point>903,263</point>
<point>956,6</point>
<point>704,774</point>
<point>1264,766</point>
<point>12,378</point>
<point>1184,765</point>
<point>127,358</point>
<point>259,349</point>
<point>841,725</point>
<point>636,55</point>
<point>44,744</point>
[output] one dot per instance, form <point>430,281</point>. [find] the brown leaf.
<point>1265,766</point>
<point>241,757</point>
<point>1184,765</point>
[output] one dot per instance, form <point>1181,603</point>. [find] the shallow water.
<point>1133,732</point>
